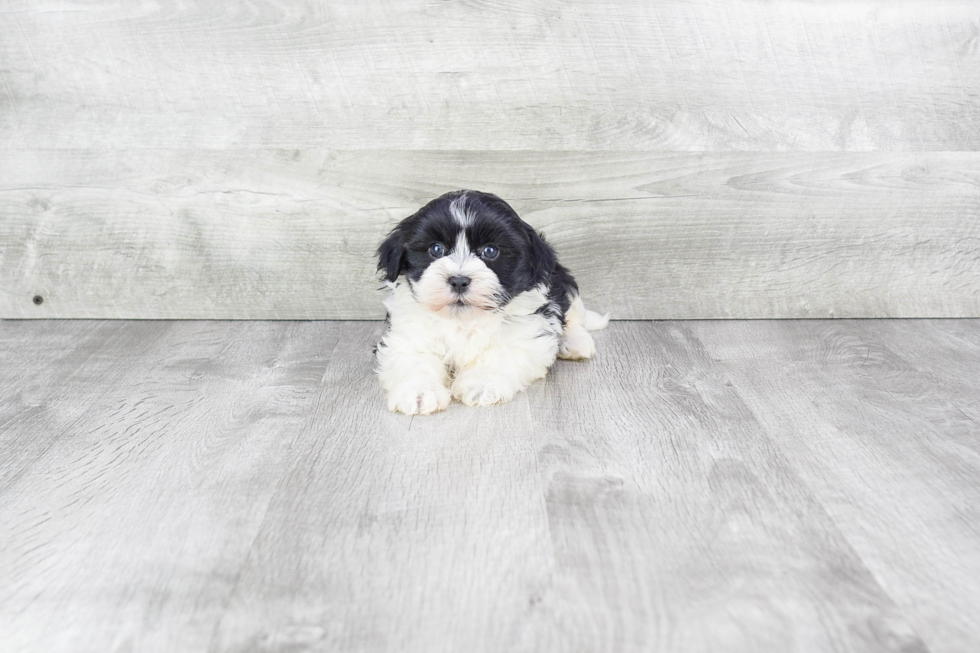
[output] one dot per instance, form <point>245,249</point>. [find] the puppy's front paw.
<point>476,391</point>
<point>418,398</point>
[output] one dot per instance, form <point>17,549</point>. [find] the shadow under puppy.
<point>478,306</point>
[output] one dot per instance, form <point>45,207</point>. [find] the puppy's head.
<point>466,250</point>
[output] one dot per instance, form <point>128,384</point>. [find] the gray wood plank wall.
<point>688,159</point>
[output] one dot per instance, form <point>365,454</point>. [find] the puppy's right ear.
<point>392,254</point>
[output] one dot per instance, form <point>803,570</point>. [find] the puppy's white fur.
<point>576,342</point>
<point>477,356</point>
<point>460,212</point>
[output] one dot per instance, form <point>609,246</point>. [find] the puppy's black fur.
<point>525,259</point>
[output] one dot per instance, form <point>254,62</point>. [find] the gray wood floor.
<point>699,486</point>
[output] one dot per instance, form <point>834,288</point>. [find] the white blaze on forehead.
<point>461,251</point>
<point>457,209</point>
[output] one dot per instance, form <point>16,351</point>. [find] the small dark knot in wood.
<point>38,300</point>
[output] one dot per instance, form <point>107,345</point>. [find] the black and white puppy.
<point>478,306</point>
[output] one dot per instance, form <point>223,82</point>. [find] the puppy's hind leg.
<point>576,341</point>
<point>519,357</point>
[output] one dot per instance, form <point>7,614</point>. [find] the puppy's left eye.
<point>490,252</point>
<point>437,250</point>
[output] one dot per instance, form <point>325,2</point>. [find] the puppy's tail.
<point>593,321</point>
<point>579,316</point>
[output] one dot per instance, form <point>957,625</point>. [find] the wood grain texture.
<point>392,533</point>
<point>698,487</point>
<point>48,382</point>
<point>673,75</point>
<point>923,350</point>
<point>291,234</point>
<point>169,453</point>
<point>665,494</point>
<point>889,443</point>
<point>689,159</point>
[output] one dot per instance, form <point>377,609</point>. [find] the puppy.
<point>478,306</point>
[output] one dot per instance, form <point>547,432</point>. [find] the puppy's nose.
<point>459,284</point>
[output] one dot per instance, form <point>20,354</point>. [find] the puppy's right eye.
<point>437,250</point>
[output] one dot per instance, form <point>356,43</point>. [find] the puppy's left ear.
<point>543,259</point>
<point>392,254</point>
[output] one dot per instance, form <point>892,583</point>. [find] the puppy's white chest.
<point>464,342</point>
